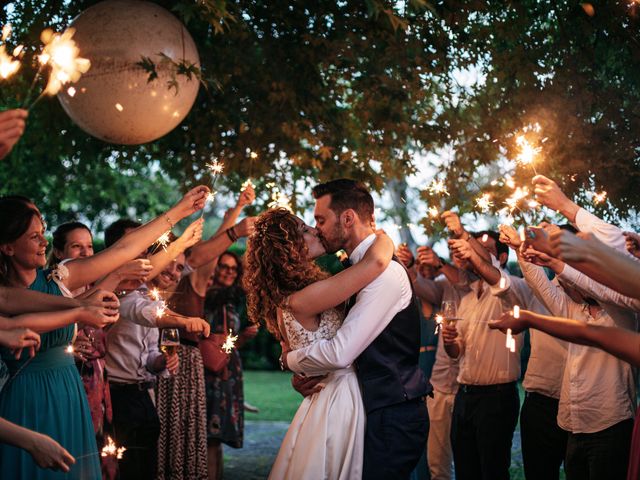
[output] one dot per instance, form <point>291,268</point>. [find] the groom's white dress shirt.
<point>375,307</point>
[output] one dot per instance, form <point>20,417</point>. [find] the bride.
<point>300,304</point>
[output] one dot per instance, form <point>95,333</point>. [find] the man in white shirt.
<point>487,403</point>
<point>380,335</point>
<point>445,287</point>
<point>133,362</point>
<point>597,398</point>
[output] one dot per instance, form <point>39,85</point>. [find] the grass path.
<point>271,391</point>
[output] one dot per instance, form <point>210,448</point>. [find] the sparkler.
<point>161,310</point>
<point>433,212</point>
<point>215,169</point>
<point>484,202</point>
<point>511,341</point>
<point>438,187</point>
<point>154,293</point>
<point>279,200</point>
<point>246,184</point>
<point>599,197</point>
<point>60,53</point>
<point>527,153</point>
<point>163,240</point>
<point>69,349</point>
<point>439,319</point>
<point>230,342</point>
<point>112,450</point>
<point>8,63</point>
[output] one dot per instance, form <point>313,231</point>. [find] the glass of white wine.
<point>449,312</point>
<point>169,341</point>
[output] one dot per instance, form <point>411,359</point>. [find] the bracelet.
<point>166,217</point>
<point>231,233</point>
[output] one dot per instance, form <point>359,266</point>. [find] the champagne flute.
<point>449,312</point>
<point>169,341</point>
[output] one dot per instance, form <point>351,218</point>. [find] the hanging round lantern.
<point>144,72</point>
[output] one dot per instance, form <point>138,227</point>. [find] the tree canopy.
<point>359,89</point>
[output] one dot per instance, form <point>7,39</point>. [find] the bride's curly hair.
<point>277,264</point>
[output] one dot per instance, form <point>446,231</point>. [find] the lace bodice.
<point>300,337</point>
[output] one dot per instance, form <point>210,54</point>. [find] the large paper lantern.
<point>115,101</point>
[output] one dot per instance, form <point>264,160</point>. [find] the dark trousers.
<point>484,419</point>
<point>544,443</point>
<point>395,439</point>
<point>136,427</point>
<point>603,454</point>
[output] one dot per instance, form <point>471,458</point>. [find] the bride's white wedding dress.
<point>326,437</point>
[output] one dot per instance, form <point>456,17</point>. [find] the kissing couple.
<point>352,339</point>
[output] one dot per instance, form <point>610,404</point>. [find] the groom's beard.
<point>335,242</point>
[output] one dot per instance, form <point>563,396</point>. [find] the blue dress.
<point>45,394</point>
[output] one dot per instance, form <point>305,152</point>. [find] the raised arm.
<point>333,291</point>
<point>484,268</point>
<point>375,307</point>
<point>14,301</point>
<point>83,271</point>
<point>622,343</point>
<point>212,249</point>
<point>599,261</point>
<point>164,256</point>
<point>598,291</point>
<point>97,317</point>
<point>205,252</point>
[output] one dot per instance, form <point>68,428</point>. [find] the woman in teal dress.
<point>45,393</point>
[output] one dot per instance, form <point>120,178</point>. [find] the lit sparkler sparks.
<point>433,212</point>
<point>511,341</point>
<point>279,200</point>
<point>527,153</point>
<point>230,342</point>
<point>161,310</point>
<point>438,187</point>
<point>60,53</point>
<point>164,240</point>
<point>599,197</point>
<point>154,293</point>
<point>8,63</point>
<point>520,193</point>
<point>484,202</point>
<point>215,168</point>
<point>112,450</point>
<point>247,183</point>
<point>69,349</point>
<point>439,319</point>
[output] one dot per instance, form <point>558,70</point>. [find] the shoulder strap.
<point>224,319</point>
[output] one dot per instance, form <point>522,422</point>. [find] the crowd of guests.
<point>579,299</point>
<point>83,357</point>
<point>84,361</point>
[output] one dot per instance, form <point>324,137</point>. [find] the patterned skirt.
<point>182,444</point>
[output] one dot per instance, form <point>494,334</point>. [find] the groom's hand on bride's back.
<point>306,386</point>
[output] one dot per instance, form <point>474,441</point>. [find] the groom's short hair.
<point>347,194</point>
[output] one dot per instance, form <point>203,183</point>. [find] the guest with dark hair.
<point>226,311</point>
<point>46,392</point>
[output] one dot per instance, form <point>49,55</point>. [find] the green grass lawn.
<point>272,393</point>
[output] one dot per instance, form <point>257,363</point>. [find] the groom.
<point>380,335</point>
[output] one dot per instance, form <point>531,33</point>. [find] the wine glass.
<point>449,312</point>
<point>169,341</point>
